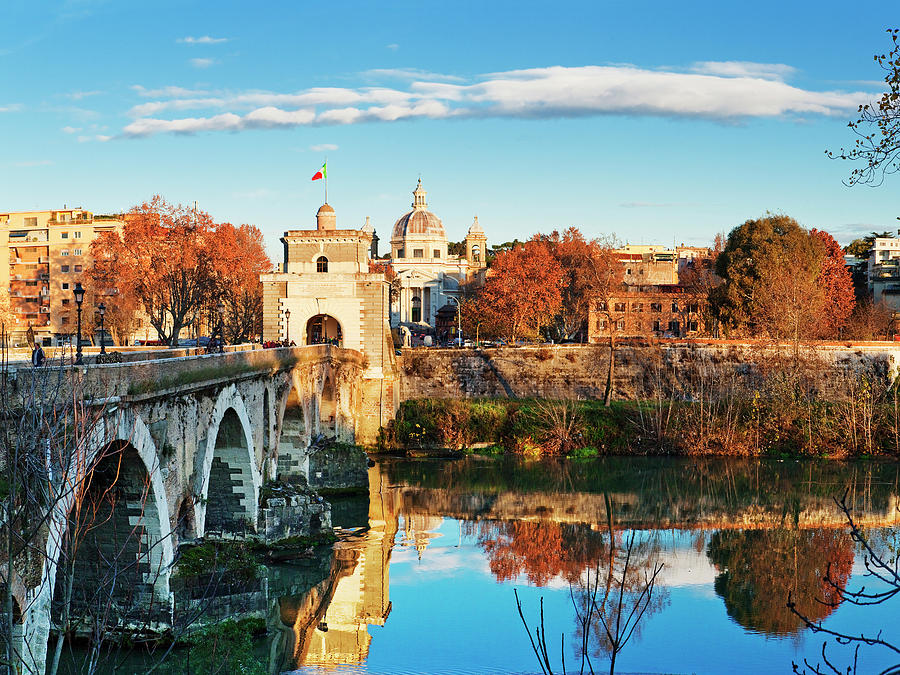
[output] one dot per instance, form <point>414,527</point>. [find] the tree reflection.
<point>759,569</point>
<point>541,550</point>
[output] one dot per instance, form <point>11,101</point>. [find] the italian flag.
<point>321,173</point>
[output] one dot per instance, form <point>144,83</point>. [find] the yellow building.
<point>43,254</point>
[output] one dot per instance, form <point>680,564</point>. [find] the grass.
<point>235,559</point>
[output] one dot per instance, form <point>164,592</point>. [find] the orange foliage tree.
<point>238,258</point>
<point>836,282</point>
<point>175,261</point>
<point>523,291</point>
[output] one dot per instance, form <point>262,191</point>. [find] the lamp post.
<point>287,327</point>
<point>102,310</point>
<point>78,291</point>
<point>220,308</point>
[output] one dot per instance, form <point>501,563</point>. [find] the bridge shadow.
<point>493,368</point>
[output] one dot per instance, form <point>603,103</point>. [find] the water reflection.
<point>748,531</point>
<point>760,569</point>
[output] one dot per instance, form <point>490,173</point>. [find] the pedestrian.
<point>37,356</point>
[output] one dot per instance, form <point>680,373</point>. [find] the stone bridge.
<point>179,448</point>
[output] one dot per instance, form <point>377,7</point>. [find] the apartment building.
<point>656,265</point>
<point>47,253</point>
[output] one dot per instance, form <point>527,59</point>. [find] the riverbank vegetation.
<point>786,405</point>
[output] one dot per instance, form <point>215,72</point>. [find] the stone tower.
<point>476,246</point>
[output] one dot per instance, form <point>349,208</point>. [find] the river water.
<point>428,587</point>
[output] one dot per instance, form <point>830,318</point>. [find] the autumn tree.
<point>163,258</point>
<point>238,257</point>
<point>523,291</point>
<point>574,254</point>
<point>837,286</point>
<point>877,126</point>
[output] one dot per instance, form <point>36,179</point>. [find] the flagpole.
<point>325,166</point>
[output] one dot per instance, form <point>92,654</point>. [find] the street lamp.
<point>102,310</point>
<point>287,326</point>
<point>220,308</point>
<point>79,298</point>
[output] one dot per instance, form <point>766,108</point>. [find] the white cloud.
<point>78,95</point>
<point>411,74</point>
<point>202,63</point>
<point>34,162</point>
<point>393,46</point>
<point>723,92</point>
<point>766,71</point>
<point>167,91</point>
<point>205,40</point>
<point>10,107</point>
<point>71,130</point>
<point>323,147</point>
<point>96,137</point>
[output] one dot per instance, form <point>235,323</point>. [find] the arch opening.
<point>321,264</point>
<point>324,329</point>
<point>113,548</point>
<point>230,493</point>
<point>292,458</point>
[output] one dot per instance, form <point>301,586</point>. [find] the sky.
<point>658,122</point>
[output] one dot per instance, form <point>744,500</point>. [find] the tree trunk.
<point>607,395</point>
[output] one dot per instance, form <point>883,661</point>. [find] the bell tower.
<point>476,246</point>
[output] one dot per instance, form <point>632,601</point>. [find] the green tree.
<point>770,268</point>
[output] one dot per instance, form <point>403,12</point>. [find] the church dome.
<point>420,222</point>
<point>325,208</point>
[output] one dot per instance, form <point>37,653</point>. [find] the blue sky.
<point>655,121</point>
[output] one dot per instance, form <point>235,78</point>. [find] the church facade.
<point>429,277</point>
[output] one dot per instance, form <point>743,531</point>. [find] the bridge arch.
<point>124,544</point>
<point>229,462</point>
<point>294,436</point>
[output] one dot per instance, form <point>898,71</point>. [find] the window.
<point>673,327</point>
<point>64,268</point>
<point>436,253</point>
<point>637,306</point>
<point>655,306</point>
<point>674,306</point>
<point>64,252</point>
<point>601,324</point>
<point>65,287</point>
<point>65,235</point>
<point>692,308</point>
<point>692,326</point>
<point>416,309</point>
<point>401,253</point>
<point>77,268</point>
<point>78,235</point>
<point>619,307</point>
<point>31,222</point>
<point>65,302</point>
<point>418,253</point>
<point>31,283</point>
<point>620,326</point>
<point>64,320</point>
<point>601,306</point>
<point>628,271</point>
<point>321,264</point>
<point>656,326</point>
<point>77,251</point>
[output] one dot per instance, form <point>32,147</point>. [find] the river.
<point>429,586</point>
